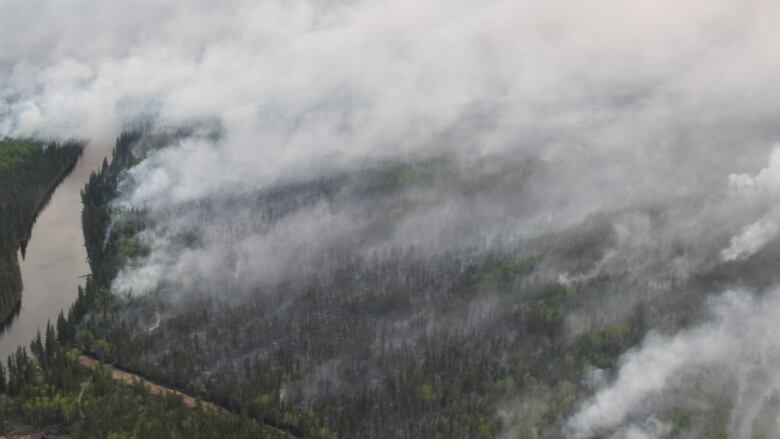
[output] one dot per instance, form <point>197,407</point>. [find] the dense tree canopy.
<point>402,343</point>
<point>29,172</point>
<point>382,347</point>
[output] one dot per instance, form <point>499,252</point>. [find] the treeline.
<point>389,349</point>
<point>29,172</point>
<point>51,390</point>
<point>405,345</point>
<point>475,342</point>
<point>54,392</point>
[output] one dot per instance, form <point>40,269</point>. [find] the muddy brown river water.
<point>55,260</point>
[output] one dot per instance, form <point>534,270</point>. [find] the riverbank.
<point>13,283</point>
<point>44,201</point>
<point>55,257</point>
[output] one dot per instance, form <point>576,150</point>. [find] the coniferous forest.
<point>436,219</point>
<point>29,172</point>
<point>49,388</point>
<point>404,343</point>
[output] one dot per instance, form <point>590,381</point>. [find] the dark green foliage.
<point>52,388</point>
<point>402,343</point>
<point>325,356</point>
<point>29,172</point>
<point>114,409</point>
<point>16,153</point>
<point>104,255</point>
<point>54,391</point>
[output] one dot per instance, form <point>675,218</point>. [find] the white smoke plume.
<point>620,105</point>
<point>296,83</point>
<point>756,235</point>
<point>739,336</point>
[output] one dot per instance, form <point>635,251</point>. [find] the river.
<point>55,260</point>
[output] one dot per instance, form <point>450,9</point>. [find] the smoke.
<point>756,235</point>
<point>530,118</point>
<point>296,83</point>
<point>737,337</point>
<point>620,106</point>
<point>751,240</point>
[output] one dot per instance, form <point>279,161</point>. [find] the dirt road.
<point>154,389</point>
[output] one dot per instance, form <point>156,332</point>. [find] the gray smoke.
<point>738,338</point>
<point>606,109</point>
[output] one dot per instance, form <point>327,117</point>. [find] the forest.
<point>29,172</point>
<point>361,339</point>
<point>366,334</point>
<point>50,389</point>
<point>508,219</point>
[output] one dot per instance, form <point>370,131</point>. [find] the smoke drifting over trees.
<point>624,153</point>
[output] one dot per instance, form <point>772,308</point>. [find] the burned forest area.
<point>322,219</point>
